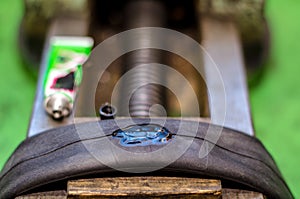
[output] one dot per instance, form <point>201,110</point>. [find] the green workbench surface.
<point>275,101</point>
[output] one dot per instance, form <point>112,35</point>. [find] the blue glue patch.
<point>143,135</point>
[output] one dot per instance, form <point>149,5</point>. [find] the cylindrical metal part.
<point>107,111</point>
<point>144,13</point>
<point>58,106</point>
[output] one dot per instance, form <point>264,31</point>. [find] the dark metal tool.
<point>212,156</point>
<point>143,14</point>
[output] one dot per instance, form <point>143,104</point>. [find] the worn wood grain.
<point>45,195</point>
<point>149,187</point>
<point>240,194</point>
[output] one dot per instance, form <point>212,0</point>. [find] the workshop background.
<point>275,101</point>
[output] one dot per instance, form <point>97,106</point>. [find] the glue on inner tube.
<point>64,73</point>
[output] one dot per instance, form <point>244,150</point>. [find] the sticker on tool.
<point>63,75</point>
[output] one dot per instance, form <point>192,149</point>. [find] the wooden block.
<point>146,187</point>
<point>45,195</point>
<point>240,194</point>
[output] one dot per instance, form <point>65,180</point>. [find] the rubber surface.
<point>61,154</point>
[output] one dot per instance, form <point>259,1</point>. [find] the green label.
<point>64,66</point>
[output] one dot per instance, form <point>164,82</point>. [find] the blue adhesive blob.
<point>143,135</point>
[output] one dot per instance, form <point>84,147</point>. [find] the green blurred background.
<point>275,101</point>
